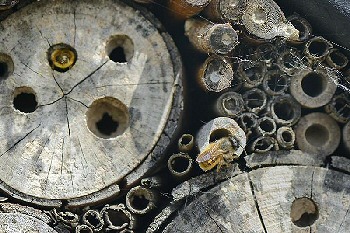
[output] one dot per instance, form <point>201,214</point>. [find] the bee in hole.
<point>218,153</point>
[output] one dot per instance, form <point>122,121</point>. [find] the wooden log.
<point>76,132</point>
<point>271,199</point>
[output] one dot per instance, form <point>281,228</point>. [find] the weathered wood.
<point>58,147</point>
<point>269,200</point>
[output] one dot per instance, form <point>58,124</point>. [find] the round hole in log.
<point>107,117</point>
<point>317,135</point>
<point>313,84</point>
<point>6,66</point>
<point>25,99</point>
<point>62,57</point>
<point>304,212</point>
<point>120,48</point>
<point>218,134</point>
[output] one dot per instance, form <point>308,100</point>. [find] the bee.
<point>218,153</point>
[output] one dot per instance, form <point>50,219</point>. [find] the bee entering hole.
<point>218,134</point>
<point>107,117</point>
<point>25,99</point>
<point>62,57</point>
<point>6,66</point>
<point>304,212</point>
<point>120,48</point>
<point>313,84</point>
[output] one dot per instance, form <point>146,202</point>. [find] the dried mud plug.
<point>220,141</point>
<point>62,57</point>
<point>207,37</point>
<point>264,19</point>
<point>317,133</point>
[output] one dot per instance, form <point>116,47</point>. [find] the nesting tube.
<point>317,49</point>
<point>215,74</point>
<point>264,19</point>
<point>93,219</point>
<point>275,82</point>
<point>337,59</point>
<point>141,200</point>
<point>312,88</point>
<point>180,166</point>
<point>263,144</point>
<point>117,217</point>
<point>225,10</point>
<point>211,38</point>
<point>83,229</point>
<point>285,110</point>
<point>186,143</point>
<point>251,73</point>
<point>184,9</point>
<point>303,26</point>
<point>266,126</point>
<point>285,137</point>
<point>339,108</point>
<point>229,104</point>
<point>247,121</point>
<point>255,100</point>
<point>317,133</point>
<point>218,128</point>
<point>346,136</point>
<point>290,62</point>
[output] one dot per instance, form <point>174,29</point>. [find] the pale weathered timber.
<point>274,199</point>
<point>16,218</point>
<point>127,74</point>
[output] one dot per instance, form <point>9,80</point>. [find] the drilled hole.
<point>107,117</point>
<point>218,134</point>
<point>118,218</point>
<point>317,135</point>
<point>6,66</point>
<point>304,212</point>
<point>62,57</point>
<point>313,84</point>
<point>25,99</point>
<point>120,48</point>
<point>318,48</point>
<point>180,164</point>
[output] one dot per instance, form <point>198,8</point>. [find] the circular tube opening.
<point>318,48</point>
<point>267,125</point>
<point>25,99</point>
<point>62,57</point>
<point>313,84</point>
<point>186,139</point>
<point>284,110</point>
<point>304,212</point>
<point>218,134</point>
<point>120,48</point>
<point>118,218</point>
<point>317,135</point>
<point>107,117</point>
<point>180,164</point>
<point>287,136</point>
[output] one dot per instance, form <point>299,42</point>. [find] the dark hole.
<point>180,164</point>
<point>317,135</point>
<point>254,100</point>
<point>263,145</point>
<point>218,133</point>
<point>3,69</point>
<point>117,218</point>
<point>185,140</point>
<point>69,217</point>
<point>300,27</point>
<point>85,230</point>
<point>93,220</point>
<point>276,83</point>
<point>317,48</point>
<point>253,73</point>
<point>313,84</point>
<point>304,212</point>
<point>25,102</point>
<point>337,59</point>
<point>248,121</point>
<point>287,136</point>
<point>118,55</point>
<point>283,110</point>
<point>140,202</point>
<point>107,125</point>
<point>266,125</point>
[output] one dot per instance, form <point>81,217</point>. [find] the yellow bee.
<point>218,153</point>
